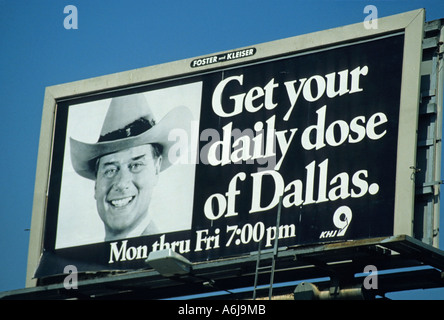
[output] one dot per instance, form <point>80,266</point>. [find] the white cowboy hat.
<point>129,122</point>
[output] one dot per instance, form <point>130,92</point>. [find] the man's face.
<point>124,185</point>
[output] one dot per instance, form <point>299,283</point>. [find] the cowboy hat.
<point>129,122</point>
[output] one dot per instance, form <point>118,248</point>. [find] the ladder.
<point>273,258</point>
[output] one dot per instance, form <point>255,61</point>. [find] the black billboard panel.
<point>201,164</point>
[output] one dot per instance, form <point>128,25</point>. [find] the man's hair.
<point>157,150</point>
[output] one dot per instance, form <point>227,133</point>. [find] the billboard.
<point>200,159</point>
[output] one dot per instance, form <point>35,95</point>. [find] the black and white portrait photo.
<point>123,173</point>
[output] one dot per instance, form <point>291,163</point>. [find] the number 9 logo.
<point>342,218</point>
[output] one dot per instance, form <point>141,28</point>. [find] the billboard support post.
<point>404,202</point>
<point>428,171</point>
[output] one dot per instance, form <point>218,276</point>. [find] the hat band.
<point>131,130</point>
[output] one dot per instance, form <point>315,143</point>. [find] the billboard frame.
<point>411,23</point>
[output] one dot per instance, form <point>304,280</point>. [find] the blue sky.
<point>113,36</point>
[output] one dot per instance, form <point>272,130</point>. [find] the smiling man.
<point>124,186</point>
<point>125,163</point>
